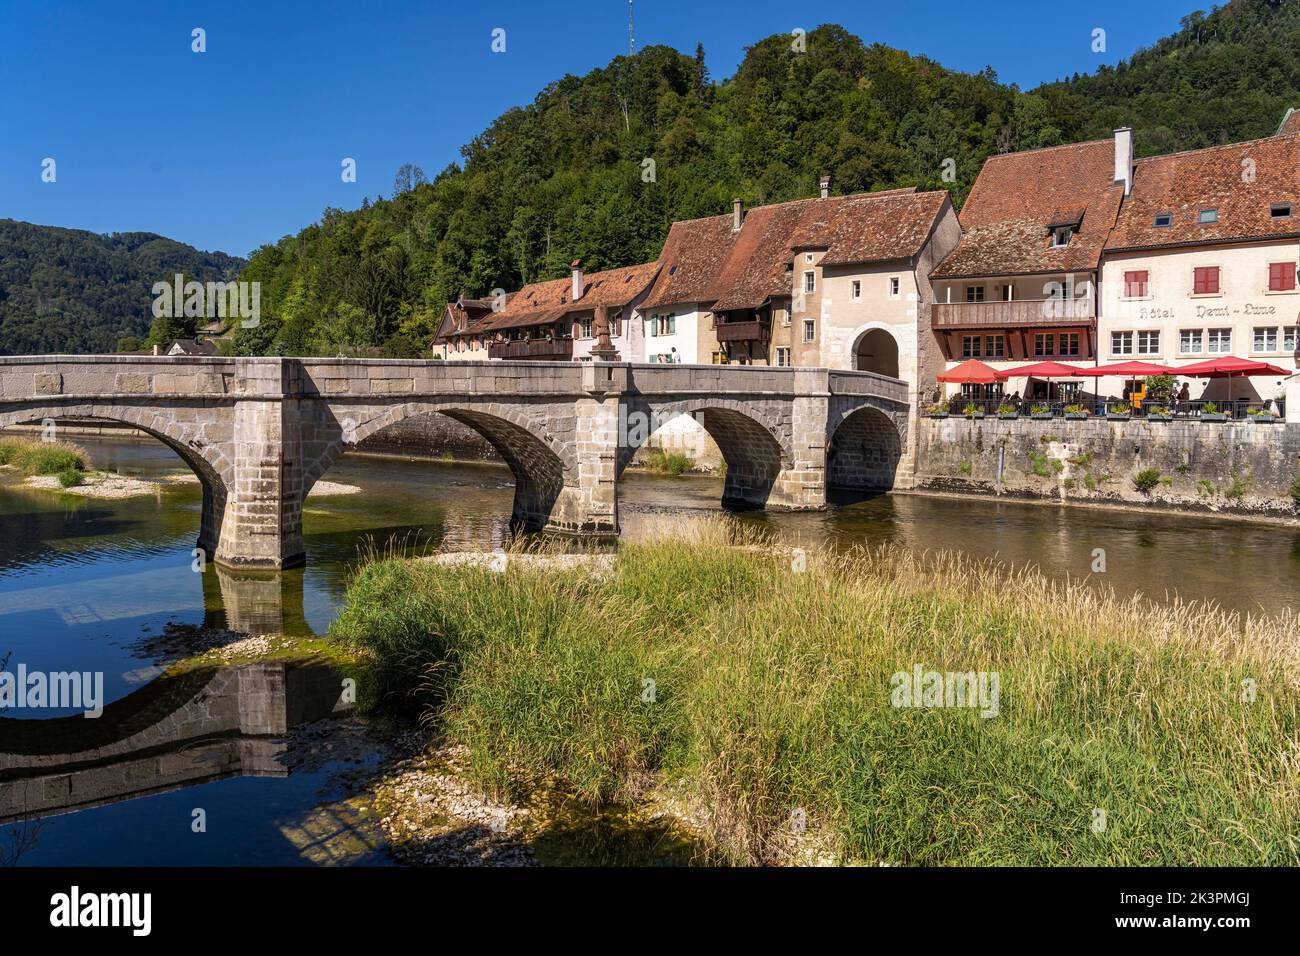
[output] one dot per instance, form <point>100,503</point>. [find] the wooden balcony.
<point>742,332</point>
<point>1039,313</point>
<point>556,350</point>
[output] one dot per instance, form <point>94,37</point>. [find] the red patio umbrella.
<point>973,372</point>
<point>1047,370</point>
<point>1042,370</point>
<point>1227,366</point>
<point>1128,370</point>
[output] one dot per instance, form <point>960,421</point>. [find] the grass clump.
<point>771,695</point>
<point>71,477</point>
<point>673,464</point>
<point>1295,491</point>
<point>42,458</point>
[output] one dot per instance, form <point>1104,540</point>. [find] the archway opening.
<point>121,442</point>
<point>876,351</point>
<point>748,454</point>
<point>864,453</point>
<point>439,480</point>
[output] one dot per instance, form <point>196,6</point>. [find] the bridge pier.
<point>587,506</point>
<point>261,524</point>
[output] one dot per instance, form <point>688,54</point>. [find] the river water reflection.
<point>91,585</point>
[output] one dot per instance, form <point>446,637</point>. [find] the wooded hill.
<point>67,290</point>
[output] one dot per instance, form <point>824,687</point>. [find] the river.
<point>109,585</point>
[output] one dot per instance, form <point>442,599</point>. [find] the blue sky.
<point>240,145</point>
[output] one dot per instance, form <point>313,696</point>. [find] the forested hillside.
<point>65,290</point>
<point>570,174</point>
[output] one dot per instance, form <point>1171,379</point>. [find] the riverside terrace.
<point>260,432</point>
<point>1151,391</point>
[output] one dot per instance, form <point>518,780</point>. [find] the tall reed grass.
<point>42,458</point>
<point>1128,733</point>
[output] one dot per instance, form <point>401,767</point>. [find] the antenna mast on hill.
<point>631,39</point>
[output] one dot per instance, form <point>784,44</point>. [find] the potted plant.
<point>972,411</point>
<point>1119,413</point>
<point>1210,413</point>
<point>1159,413</point>
<point>1260,416</point>
<point>1040,411</point>
<point>1075,412</point>
<point>939,409</point>
<point>1006,410</point>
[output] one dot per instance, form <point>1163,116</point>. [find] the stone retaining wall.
<point>1230,467</point>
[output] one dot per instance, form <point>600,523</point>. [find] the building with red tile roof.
<point>552,320</point>
<point>755,279</point>
<point>1202,262</point>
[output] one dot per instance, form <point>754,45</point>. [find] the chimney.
<point>826,186</point>
<point>576,266</point>
<point>737,214</point>
<point>1124,158</point>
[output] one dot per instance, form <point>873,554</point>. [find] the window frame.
<point>809,281</point>
<point>1218,280</point>
<point>1268,331</point>
<point>855,290</point>
<point>1146,334</point>
<point>969,353</point>
<point>974,294</point>
<point>1220,335</point>
<point>1144,284</point>
<point>1122,336</point>
<point>809,330</point>
<point>1200,341</point>
<point>1284,264</point>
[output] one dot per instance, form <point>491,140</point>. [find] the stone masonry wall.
<point>1242,468</point>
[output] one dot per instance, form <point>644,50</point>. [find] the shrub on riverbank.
<point>42,458</point>
<point>1124,732</point>
<point>667,463</point>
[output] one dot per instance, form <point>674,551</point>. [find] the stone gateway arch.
<point>259,432</point>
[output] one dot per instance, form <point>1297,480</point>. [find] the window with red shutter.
<point>1281,276</point>
<point>1135,285</point>
<point>1206,281</point>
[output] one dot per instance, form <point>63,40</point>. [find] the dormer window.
<point>1061,235</point>
<point>1163,220</point>
<point>1207,217</point>
<point>1279,210</point>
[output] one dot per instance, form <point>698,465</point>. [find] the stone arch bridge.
<point>259,432</point>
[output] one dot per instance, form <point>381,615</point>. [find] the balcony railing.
<point>558,349</point>
<point>1038,313</point>
<point>1235,410</point>
<point>742,331</point>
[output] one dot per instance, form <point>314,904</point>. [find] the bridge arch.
<point>190,440</point>
<point>865,450</point>
<point>542,465</point>
<point>754,446</point>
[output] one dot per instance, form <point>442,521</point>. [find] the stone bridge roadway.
<point>259,432</point>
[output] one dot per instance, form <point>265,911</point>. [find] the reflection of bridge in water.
<point>175,732</point>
